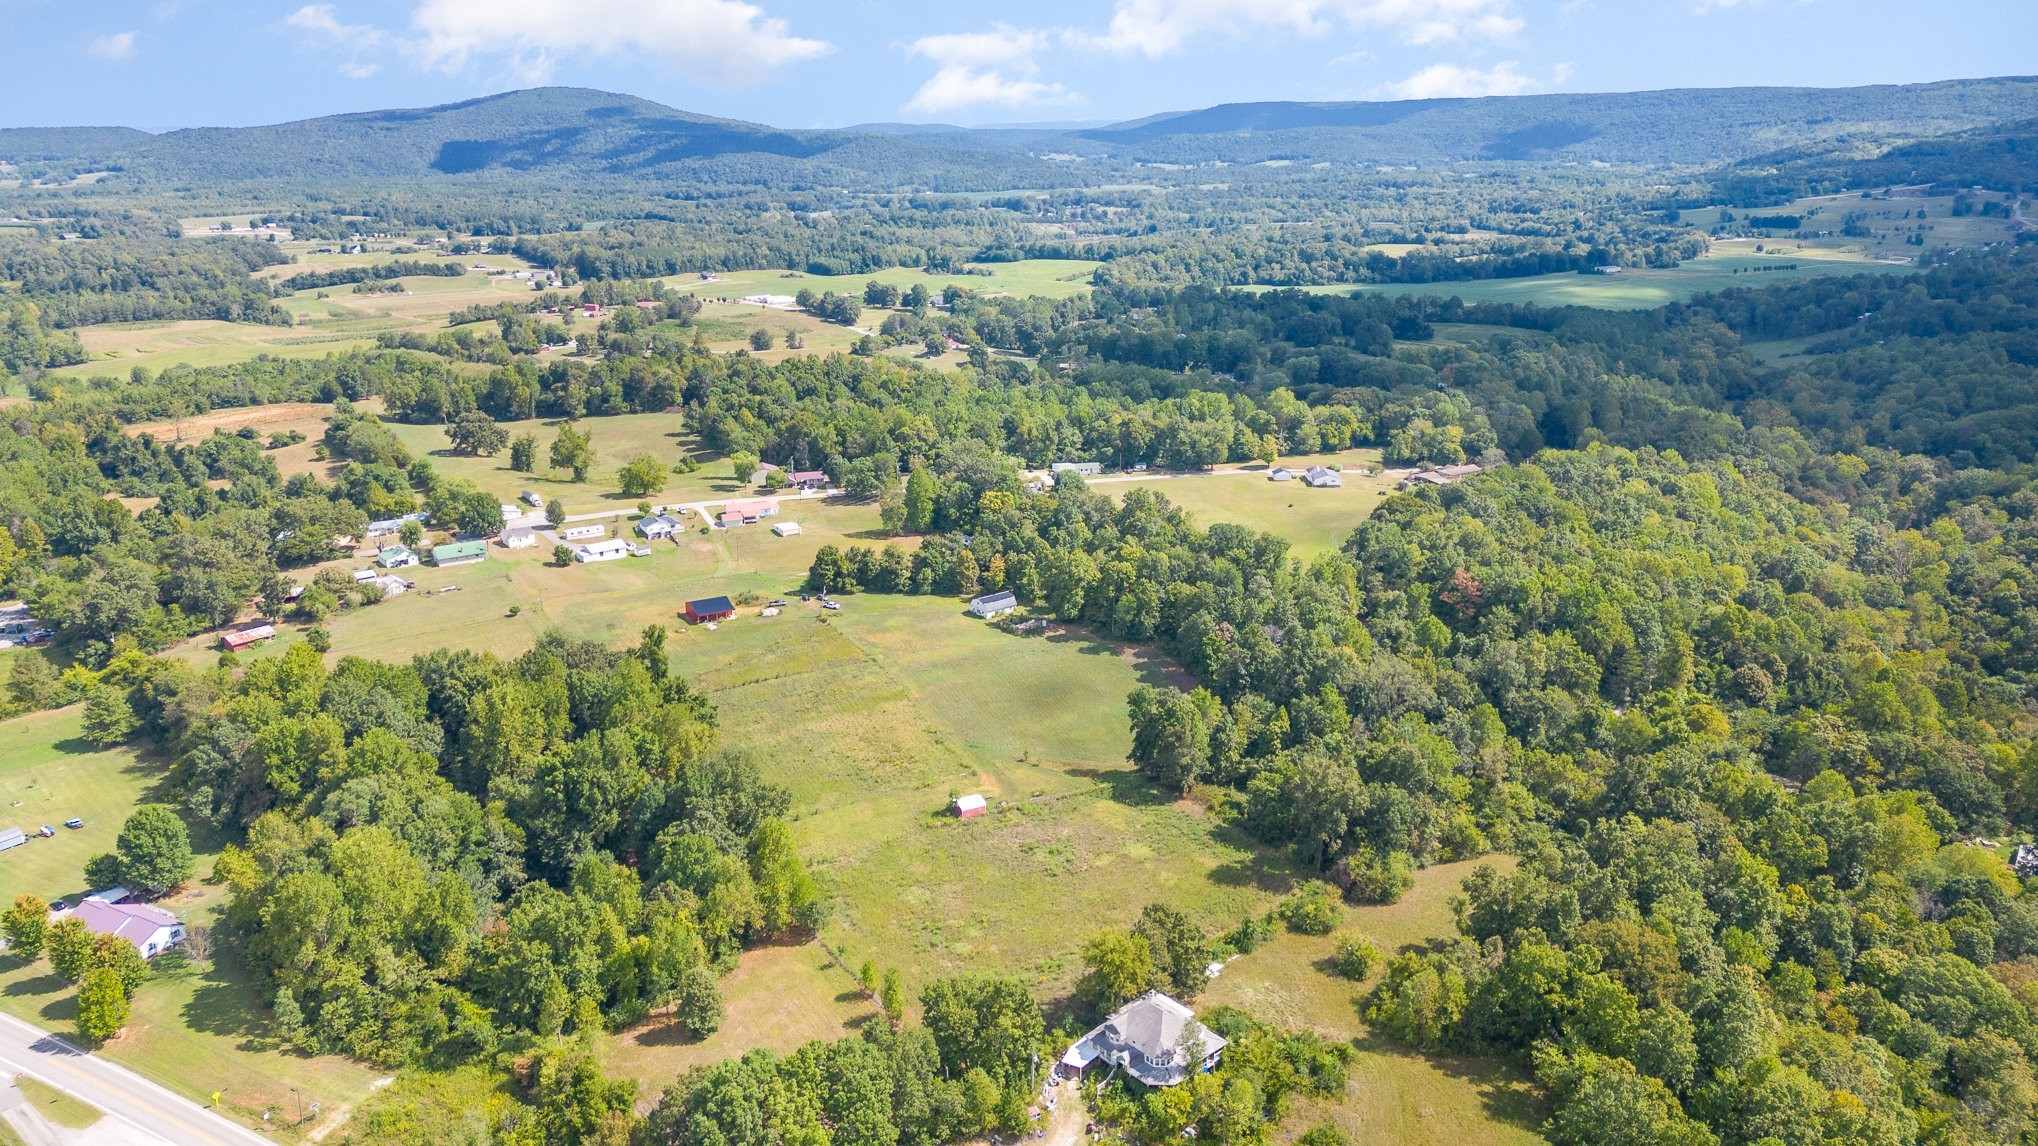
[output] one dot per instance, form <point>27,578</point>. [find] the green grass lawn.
<point>55,1105</point>
<point>617,439</point>
<point>1313,521</point>
<point>48,774</point>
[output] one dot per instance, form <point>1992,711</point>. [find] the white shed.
<point>787,529</point>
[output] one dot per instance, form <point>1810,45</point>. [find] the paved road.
<point>143,1112</point>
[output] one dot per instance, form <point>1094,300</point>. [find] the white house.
<point>519,537</point>
<point>1322,478</point>
<point>602,551</point>
<point>1152,1039</point>
<point>994,604</point>
<point>1086,469</point>
<point>1280,473</point>
<point>396,557</point>
<point>787,529</point>
<point>657,526</point>
<point>151,929</point>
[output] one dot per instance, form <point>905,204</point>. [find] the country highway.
<point>139,1111</point>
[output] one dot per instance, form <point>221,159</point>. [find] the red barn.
<point>969,807</point>
<point>709,609</point>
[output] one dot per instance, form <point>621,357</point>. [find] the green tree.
<point>573,450</point>
<point>786,894</point>
<point>892,997</point>
<point>922,491</point>
<point>642,476</point>
<point>555,513</point>
<point>154,849</point>
<point>112,953</point>
<point>109,715</point>
<point>476,433</point>
<point>760,339</point>
<point>1120,968</point>
<point>26,925</point>
<point>102,1005</point>
<point>524,453</point>
<point>1355,956</point>
<point>743,466</point>
<point>562,556</point>
<point>697,1006</point>
<point>70,945</point>
<point>411,533</point>
<point>982,1022</point>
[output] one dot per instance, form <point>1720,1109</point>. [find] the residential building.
<point>584,532</point>
<point>1322,478</point>
<point>1084,469</point>
<point>1147,1039</point>
<point>730,519</point>
<point>602,551</point>
<point>809,479</point>
<point>657,526</point>
<point>709,609</point>
<point>459,553</point>
<point>151,929</point>
<point>753,509</point>
<point>396,557</point>
<point>1280,473</point>
<point>994,604</point>
<point>519,537</point>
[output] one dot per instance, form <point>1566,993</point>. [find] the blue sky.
<point>806,63</point>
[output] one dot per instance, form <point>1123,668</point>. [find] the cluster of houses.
<point>1441,475</point>
<point>1318,477</point>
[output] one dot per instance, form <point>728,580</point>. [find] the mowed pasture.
<point>1046,278</point>
<point>196,1028</point>
<point>1313,521</point>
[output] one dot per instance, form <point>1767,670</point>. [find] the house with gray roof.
<point>1152,1038</point>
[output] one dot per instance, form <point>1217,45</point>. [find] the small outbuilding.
<point>709,609</point>
<point>969,807</point>
<point>11,838</point>
<point>787,529</point>
<point>730,519</point>
<point>245,638</point>
<point>994,604</point>
<point>1280,473</point>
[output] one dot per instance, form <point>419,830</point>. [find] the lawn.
<point>1313,521</point>
<point>116,348</point>
<point>195,1029</point>
<point>617,439</point>
<point>55,1105</point>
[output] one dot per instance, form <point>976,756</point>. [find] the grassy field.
<point>56,1106</point>
<point>195,1029</point>
<point>1313,521</point>
<point>1395,1095</point>
<point>1047,278</point>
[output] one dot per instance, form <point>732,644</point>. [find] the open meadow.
<point>1313,521</point>
<point>1047,278</point>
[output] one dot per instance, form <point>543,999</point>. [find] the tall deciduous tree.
<point>154,849</point>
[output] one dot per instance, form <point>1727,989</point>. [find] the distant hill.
<point>565,136</point>
<point>1999,157</point>
<point>1696,126</point>
<point>544,130</point>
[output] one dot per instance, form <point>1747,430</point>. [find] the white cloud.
<point>997,68</point>
<point>1439,81</point>
<point>118,46</point>
<point>320,24</point>
<point>726,41</point>
<point>1159,27</point>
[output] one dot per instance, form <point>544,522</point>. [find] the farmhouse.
<point>393,586</point>
<point>1322,478</point>
<point>520,537</point>
<point>244,638</point>
<point>994,604</point>
<point>602,551</point>
<point>786,529</point>
<point>968,807</point>
<point>151,929</point>
<point>753,509</point>
<point>583,532</point>
<point>809,479</point>
<point>396,557</point>
<point>1441,475</point>
<point>709,609</point>
<point>1084,469</point>
<point>730,519</point>
<point>657,526</point>
<point>1146,1039</point>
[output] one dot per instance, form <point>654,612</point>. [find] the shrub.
<point>1311,911</point>
<point>1356,956</point>
<point>1375,878</point>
